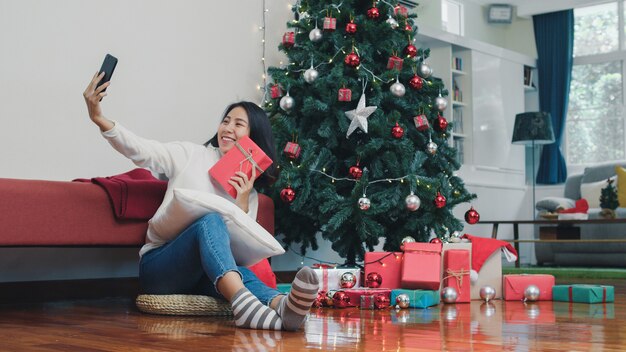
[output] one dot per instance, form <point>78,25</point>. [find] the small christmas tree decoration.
<point>397,131</point>
<point>449,295</point>
<point>397,89</point>
<point>439,201</point>
<point>407,239</point>
<point>421,122</point>
<point>330,24</point>
<point>276,92</point>
<point>416,82</point>
<point>410,50</point>
<point>289,39</point>
<point>347,280</point>
<point>288,195</point>
<point>373,13</point>
<point>310,75</point>
<point>364,203</point>
<point>381,301</point>
<point>292,150</point>
<point>432,147</point>
<point>352,60</point>
<point>392,22</point>
<point>441,123</point>
<point>413,202</point>
<point>344,94</point>
<point>287,103</point>
<point>315,35</point>
<point>608,200</point>
<point>355,171</point>
<point>435,240</point>
<point>341,299</point>
<point>441,103</point>
<point>407,27</point>
<point>403,301</point>
<point>373,280</point>
<point>394,63</point>
<point>425,70</point>
<point>400,10</point>
<point>472,216</point>
<point>358,117</point>
<point>351,27</point>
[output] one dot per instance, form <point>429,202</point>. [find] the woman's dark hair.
<point>261,134</point>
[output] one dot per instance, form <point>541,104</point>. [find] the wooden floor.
<point>116,325</point>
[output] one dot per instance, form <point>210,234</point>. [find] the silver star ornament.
<point>358,117</point>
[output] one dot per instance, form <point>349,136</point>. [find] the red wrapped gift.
<point>456,264</point>
<point>400,10</point>
<point>345,94</point>
<point>421,267</point>
<point>513,286</point>
<point>394,62</point>
<point>355,294</point>
<point>387,264</point>
<point>330,23</point>
<point>421,122</point>
<point>276,91</point>
<point>289,39</point>
<point>292,150</point>
<point>244,156</point>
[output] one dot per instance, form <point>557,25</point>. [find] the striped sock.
<point>294,307</point>
<point>250,313</point>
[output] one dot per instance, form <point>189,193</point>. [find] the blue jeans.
<point>194,261</point>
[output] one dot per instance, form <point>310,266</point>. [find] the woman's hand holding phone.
<point>93,94</point>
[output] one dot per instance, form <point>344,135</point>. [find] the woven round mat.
<point>182,305</point>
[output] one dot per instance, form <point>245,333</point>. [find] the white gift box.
<point>330,277</point>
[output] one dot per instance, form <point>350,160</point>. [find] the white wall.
<point>180,64</point>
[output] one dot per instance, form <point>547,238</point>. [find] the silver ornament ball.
<point>531,293</point>
<point>392,22</point>
<point>397,89</point>
<point>413,202</point>
<point>347,280</point>
<point>431,147</point>
<point>487,293</point>
<point>408,239</point>
<point>449,295</point>
<point>403,301</point>
<point>315,35</point>
<point>424,70</point>
<point>310,75</point>
<point>441,103</point>
<point>364,203</point>
<point>287,103</point>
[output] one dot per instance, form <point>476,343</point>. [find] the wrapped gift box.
<point>515,285</point>
<point>283,288</point>
<point>421,267</point>
<point>364,297</point>
<point>490,273</point>
<point>583,293</point>
<point>417,298</point>
<point>242,157</point>
<point>529,313</point>
<point>456,274</point>
<point>584,311</point>
<point>387,264</point>
<point>329,276</point>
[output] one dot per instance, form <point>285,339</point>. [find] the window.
<point>595,129</point>
<point>452,17</point>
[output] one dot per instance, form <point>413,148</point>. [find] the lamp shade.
<point>533,128</point>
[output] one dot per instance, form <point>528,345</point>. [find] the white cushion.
<point>591,192</point>
<point>249,241</point>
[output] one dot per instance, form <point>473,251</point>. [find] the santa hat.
<point>483,248</point>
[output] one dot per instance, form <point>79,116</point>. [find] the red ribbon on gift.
<point>324,268</point>
<point>571,295</point>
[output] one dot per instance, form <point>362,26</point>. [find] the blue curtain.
<point>554,36</point>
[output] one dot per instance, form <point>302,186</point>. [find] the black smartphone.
<point>108,66</point>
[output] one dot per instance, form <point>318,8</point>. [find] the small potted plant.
<point>608,200</point>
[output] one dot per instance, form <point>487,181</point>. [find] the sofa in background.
<point>37,213</point>
<point>588,254</point>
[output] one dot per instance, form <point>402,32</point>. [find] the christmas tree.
<point>608,196</point>
<point>358,114</point>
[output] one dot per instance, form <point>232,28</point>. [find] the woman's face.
<point>234,126</point>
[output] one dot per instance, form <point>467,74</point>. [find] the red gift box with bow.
<point>244,156</point>
<point>394,62</point>
<point>456,273</point>
<point>289,39</point>
<point>421,268</point>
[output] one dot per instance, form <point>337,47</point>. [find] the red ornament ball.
<point>472,216</point>
<point>355,171</point>
<point>416,82</point>
<point>288,195</point>
<point>373,280</point>
<point>381,301</point>
<point>440,200</point>
<point>410,50</point>
<point>408,28</point>
<point>436,240</point>
<point>341,299</point>
<point>373,13</point>
<point>320,300</point>
<point>397,132</point>
<point>351,27</point>
<point>442,123</point>
<point>352,59</point>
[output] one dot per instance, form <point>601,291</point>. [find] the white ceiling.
<point>527,8</point>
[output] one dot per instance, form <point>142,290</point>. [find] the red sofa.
<point>36,213</point>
